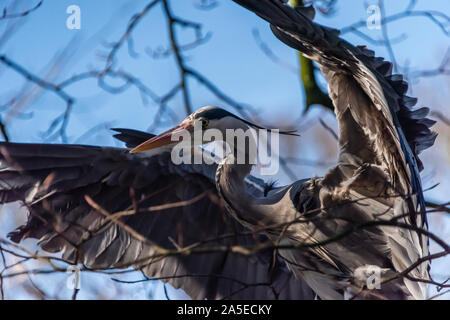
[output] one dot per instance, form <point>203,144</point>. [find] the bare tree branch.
<point>5,15</point>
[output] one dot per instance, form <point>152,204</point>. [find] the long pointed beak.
<point>163,139</point>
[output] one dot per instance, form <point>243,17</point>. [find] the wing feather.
<point>52,180</point>
<point>378,127</point>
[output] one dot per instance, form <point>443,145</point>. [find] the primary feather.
<point>380,139</point>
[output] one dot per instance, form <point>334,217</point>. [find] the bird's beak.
<point>164,138</point>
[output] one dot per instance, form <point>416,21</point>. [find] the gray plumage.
<point>377,178</point>
<point>380,139</point>
<point>106,175</point>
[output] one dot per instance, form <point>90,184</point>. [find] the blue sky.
<point>231,59</point>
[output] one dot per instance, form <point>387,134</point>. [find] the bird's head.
<point>206,118</point>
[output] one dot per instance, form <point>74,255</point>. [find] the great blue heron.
<point>334,233</point>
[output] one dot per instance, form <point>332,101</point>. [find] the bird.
<point>174,207</point>
<point>349,234</point>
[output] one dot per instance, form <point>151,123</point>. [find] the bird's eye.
<point>205,123</point>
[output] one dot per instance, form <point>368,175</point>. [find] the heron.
<point>324,237</point>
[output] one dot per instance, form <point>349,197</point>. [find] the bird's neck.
<point>232,189</point>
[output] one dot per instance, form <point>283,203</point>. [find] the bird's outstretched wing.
<point>177,207</point>
<point>381,135</point>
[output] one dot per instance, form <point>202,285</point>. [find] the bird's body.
<point>303,218</point>
<point>335,233</point>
